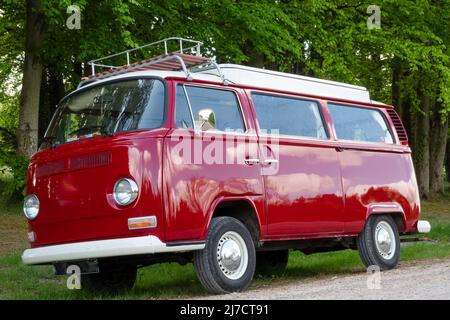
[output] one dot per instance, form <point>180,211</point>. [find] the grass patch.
<point>13,229</point>
<point>9,210</point>
<point>18,281</point>
<point>171,280</point>
<point>437,212</point>
<point>302,266</point>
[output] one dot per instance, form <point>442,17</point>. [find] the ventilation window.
<point>401,132</point>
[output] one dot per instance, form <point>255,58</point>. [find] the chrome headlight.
<point>31,206</point>
<point>125,191</point>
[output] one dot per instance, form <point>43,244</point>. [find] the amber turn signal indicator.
<point>142,223</point>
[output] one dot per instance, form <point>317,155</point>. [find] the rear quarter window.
<point>359,124</point>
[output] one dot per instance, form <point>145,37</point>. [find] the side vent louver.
<point>75,163</point>
<point>50,168</point>
<point>90,161</point>
<point>401,132</point>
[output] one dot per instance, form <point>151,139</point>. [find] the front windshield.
<point>107,109</point>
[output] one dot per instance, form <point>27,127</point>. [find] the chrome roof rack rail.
<point>186,56</point>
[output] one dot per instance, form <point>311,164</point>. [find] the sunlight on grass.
<point>171,280</point>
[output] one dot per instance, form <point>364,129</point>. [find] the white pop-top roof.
<point>274,80</point>
<point>264,79</point>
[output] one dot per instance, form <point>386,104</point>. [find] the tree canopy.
<point>405,62</point>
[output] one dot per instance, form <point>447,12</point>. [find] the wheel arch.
<point>243,209</point>
<point>393,209</point>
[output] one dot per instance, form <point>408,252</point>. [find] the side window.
<point>223,103</point>
<point>290,116</point>
<point>183,117</point>
<point>359,124</point>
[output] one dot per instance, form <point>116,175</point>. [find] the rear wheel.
<point>379,242</point>
<point>271,262</point>
<point>113,279</point>
<point>227,263</point>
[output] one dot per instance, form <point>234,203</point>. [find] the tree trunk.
<point>314,55</point>
<point>256,60</point>
<point>396,98</point>
<point>31,82</point>
<point>52,90</point>
<point>438,143</point>
<point>421,139</point>
<point>447,161</point>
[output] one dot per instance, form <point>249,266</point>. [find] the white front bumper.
<point>102,249</point>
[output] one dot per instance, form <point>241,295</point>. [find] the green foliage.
<point>12,167</point>
<point>327,39</point>
<point>9,111</point>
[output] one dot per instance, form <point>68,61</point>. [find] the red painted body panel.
<point>77,205</point>
<point>305,195</point>
<point>193,188</point>
<point>390,179</point>
<point>317,192</point>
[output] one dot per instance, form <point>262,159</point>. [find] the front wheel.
<point>227,263</point>
<point>379,243</point>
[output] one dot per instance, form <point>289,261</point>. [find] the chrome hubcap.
<point>385,240</point>
<point>232,255</point>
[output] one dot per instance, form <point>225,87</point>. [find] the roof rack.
<point>186,57</point>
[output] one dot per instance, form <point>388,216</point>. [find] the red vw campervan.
<point>177,158</point>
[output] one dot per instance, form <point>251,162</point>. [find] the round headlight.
<point>31,206</point>
<point>125,191</point>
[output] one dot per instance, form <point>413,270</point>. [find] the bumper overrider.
<point>103,249</point>
<point>423,226</point>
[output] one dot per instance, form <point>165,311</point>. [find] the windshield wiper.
<point>91,129</point>
<point>49,140</point>
<point>106,132</point>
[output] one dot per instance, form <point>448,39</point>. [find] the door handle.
<point>339,149</point>
<point>270,161</point>
<point>251,161</point>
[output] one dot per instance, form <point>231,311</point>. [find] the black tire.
<point>367,246</point>
<point>213,276</point>
<point>271,262</point>
<point>113,279</point>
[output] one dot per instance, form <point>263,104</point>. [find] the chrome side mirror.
<point>206,119</point>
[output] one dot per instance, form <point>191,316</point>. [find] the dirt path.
<point>420,280</point>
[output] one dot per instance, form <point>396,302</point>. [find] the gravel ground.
<point>420,280</point>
